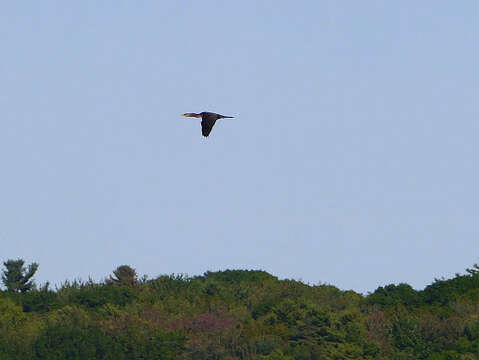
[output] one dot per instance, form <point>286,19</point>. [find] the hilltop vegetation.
<point>234,314</point>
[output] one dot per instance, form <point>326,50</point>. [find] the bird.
<point>208,120</point>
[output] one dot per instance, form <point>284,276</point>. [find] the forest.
<point>233,314</point>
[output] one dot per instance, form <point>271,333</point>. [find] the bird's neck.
<point>193,115</point>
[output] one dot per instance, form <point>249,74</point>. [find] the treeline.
<point>233,314</point>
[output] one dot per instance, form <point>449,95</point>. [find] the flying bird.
<point>208,120</point>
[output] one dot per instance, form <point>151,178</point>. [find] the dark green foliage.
<point>68,341</point>
<point>407,334</point>
<point>474,270</point>
<point>390,295</point>
<point>443,291</point>
<point>235,276</point>
<point>262,309</point>
<point>94,296</point>
<point>16,277</point>
<point>124,275</point>
<point>76,336</point>
<point>238,314</point>
<point>472,331</point>
<point>41,300</point>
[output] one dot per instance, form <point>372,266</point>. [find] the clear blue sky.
<point>352,160</point>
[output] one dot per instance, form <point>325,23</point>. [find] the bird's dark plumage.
<point>208,120</point>
<point>207,123</point>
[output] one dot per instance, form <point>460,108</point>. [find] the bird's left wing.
<point>207,124</point>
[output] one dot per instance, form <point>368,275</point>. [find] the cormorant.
<point>208,120</point>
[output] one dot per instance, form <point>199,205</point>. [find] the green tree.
<point>123,275</point>
<point>16,277</point>
<point>474,270</point>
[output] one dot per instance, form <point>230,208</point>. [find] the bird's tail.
<point>227,117</point>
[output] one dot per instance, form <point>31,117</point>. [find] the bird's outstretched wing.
<point>207,124</point>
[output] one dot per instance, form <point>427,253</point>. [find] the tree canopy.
<point>235,314</point>
<point>123,275</point>
<point>16,277</point>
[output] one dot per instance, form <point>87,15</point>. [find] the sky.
<point>351,160</point>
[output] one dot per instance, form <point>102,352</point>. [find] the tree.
<point>123,275</point>
<point>16,277</point>
<point>474,270</point>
